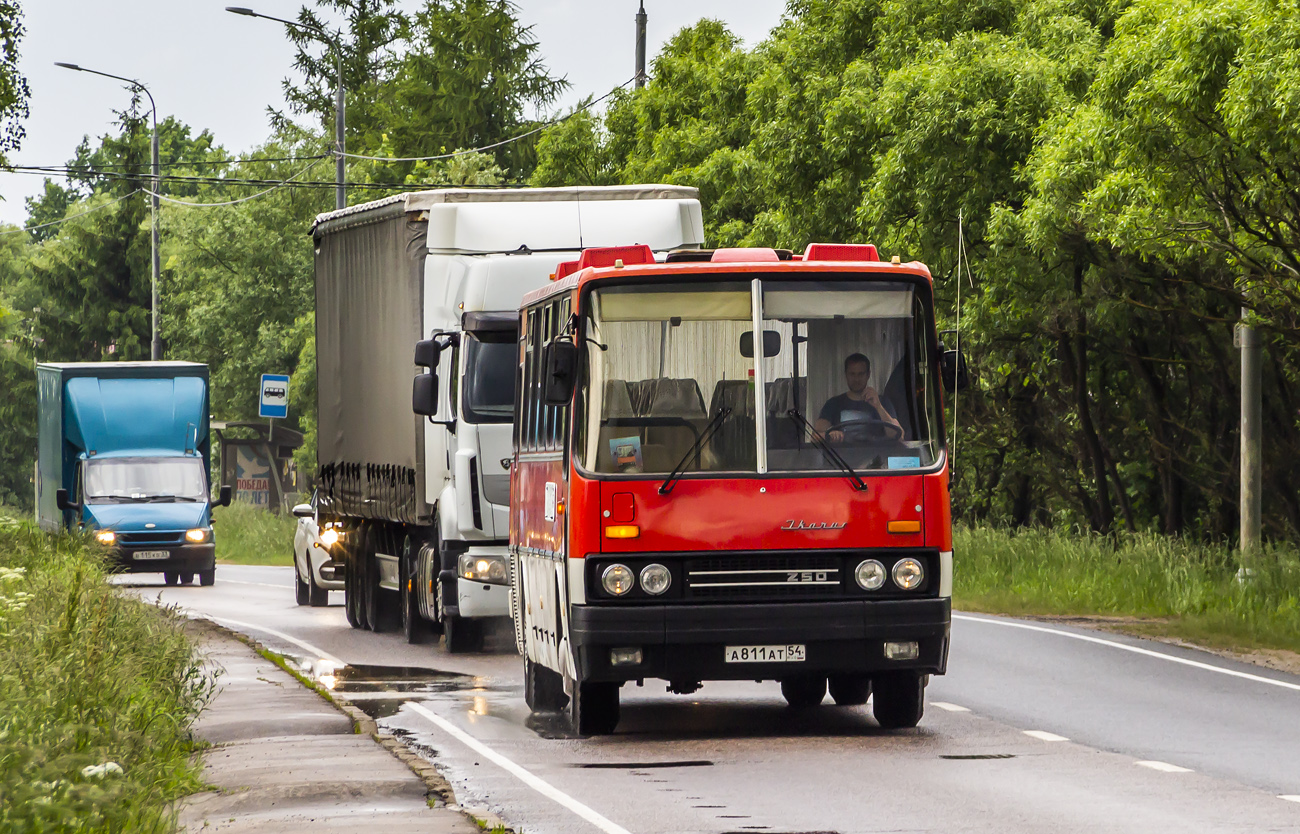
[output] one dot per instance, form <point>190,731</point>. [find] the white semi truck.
<point>416,346</point>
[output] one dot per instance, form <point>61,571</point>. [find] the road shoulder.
<point>283,759</point>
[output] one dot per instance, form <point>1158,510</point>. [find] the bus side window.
<point>530,400</point>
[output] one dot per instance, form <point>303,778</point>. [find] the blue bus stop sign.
<point>274,396</point>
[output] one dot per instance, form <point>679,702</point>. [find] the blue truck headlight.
<point>106,537</point>
<point>198,535</point>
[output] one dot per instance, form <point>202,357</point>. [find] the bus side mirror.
<point>424,395</point>
<point>561,361</point>
<point>952,365</point>
<point>63,502</point>
<point>771,344</point>
<point>225,496</point>
<point>427,353</point>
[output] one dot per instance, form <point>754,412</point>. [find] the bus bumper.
<point>689,642</point>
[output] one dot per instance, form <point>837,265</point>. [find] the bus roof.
<point>633,261</point>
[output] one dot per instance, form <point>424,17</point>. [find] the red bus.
<point>731,466</point>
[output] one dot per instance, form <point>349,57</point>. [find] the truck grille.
<point>138,539</point>
<point>763,577</point>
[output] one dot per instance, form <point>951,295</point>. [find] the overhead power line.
<point>241,199</point>
<point>71,216</point>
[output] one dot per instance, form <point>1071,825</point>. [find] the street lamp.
<point>155,344</point>
<point>340,200</point>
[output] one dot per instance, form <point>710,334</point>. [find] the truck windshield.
<point>116,480</point>
<point>844,363</point>
<point>491,358</point>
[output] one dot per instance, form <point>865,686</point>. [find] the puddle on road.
<point>380,691</point>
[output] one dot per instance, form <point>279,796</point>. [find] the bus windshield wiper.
<point>830,452</point>
<point>709,430</point>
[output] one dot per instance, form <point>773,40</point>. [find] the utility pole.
<point>1252,435</point>
<point>640,46</point>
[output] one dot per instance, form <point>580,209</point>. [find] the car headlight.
<point>106,537</point>
<point>617,579</point>
<point>655,579</point>
<point>870,575</point>
<point>908,574</point>
<point>479,568</point>
<point>329,537</point>
<point>198,535</point>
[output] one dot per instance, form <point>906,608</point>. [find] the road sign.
<point>274,400</point>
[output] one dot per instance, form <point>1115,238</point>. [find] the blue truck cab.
<point>124,450</point>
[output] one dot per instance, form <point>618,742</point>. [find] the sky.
<point>218,71</point>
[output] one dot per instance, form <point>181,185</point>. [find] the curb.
<point>440,791</point>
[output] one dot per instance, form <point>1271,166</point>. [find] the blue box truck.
<point>123,452</point>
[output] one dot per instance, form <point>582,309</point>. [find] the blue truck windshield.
<point>117,480</point>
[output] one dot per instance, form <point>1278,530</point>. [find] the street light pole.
<point>340,144</point>
<point>155,343</point>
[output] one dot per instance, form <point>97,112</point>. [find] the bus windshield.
<point>117,480</point>
<point>672,376</point>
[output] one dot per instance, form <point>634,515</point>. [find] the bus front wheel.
<point>593,708</point>
<point>898,699</point>
<point>543,688</point>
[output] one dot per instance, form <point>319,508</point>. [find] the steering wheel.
<point>865,429</point>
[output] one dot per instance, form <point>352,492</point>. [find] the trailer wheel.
<point>376,619</point>
<point>352,583</point>
<point>850,690</point>
<point>804,692</point>
<point>207,578</point>
<point>301,590</point>
<point>899,699</point>
<point>593,708</point>
<point>414,627</point>
<point>543,688</point>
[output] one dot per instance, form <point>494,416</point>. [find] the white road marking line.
<point>546,789</point>
<point>949,707</point>
<point>1043,735</point>
<point>259,584</point>
<point>1164,767</point>
<point>302,644</point>
<point>1290,797</point>
<point>1135,649</point>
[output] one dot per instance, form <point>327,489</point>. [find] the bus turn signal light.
<point>904,526</point>
<point>622,531</point>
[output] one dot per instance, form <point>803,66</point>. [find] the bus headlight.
<point>197,536</point>
<point>106,537</point>
<point>908,574</point>
<point>655,579</point>
<point>480,568</point>
<point>870,575</point>
<point>617,580</point>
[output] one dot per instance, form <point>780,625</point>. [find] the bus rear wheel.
<point>899,699</point>
<point>593,708</point>
<point>804,692</point>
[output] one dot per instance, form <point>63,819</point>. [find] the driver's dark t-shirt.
<point>842,408</point>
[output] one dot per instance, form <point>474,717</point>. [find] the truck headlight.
<point>908,573</point>
<point>480,568</point>
<point>617,579</point>
<point>198,535</point>
<point>106,537</point>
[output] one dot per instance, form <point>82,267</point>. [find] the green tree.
<point>13,86</point>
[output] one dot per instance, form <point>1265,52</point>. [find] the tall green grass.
<point>1203,593</point>
<point>247,535</point>
<point>97,694</point>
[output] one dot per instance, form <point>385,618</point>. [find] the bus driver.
<point>859,404</point>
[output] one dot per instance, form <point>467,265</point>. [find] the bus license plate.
<point>764,654</point>
<point>151,554</point>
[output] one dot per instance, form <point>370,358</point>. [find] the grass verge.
<point>247,535</point>
<point>1204,594</point>
<point>97,694</point>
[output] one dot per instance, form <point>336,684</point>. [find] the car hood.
<point>133,517</point>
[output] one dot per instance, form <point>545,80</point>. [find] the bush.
<point>97,694</point>
<point>1199,592</point>
<point>248,535</point>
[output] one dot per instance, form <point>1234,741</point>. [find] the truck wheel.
<point>373,595</point>
<point>414,627</point>
<point>804,692</point>
<point>593,708</point>
<point>850,690</point>
<point>462,635</point>
<point>543,688</point>
<point>171,577</point>
<point>899,699</point>
<point>301,592</point>
<point>207,578</point>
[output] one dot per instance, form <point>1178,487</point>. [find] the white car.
<point>309,554</point>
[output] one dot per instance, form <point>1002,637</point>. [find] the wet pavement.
<point>1028,732</point>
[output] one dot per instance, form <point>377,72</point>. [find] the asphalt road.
<point>1036,728</point>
